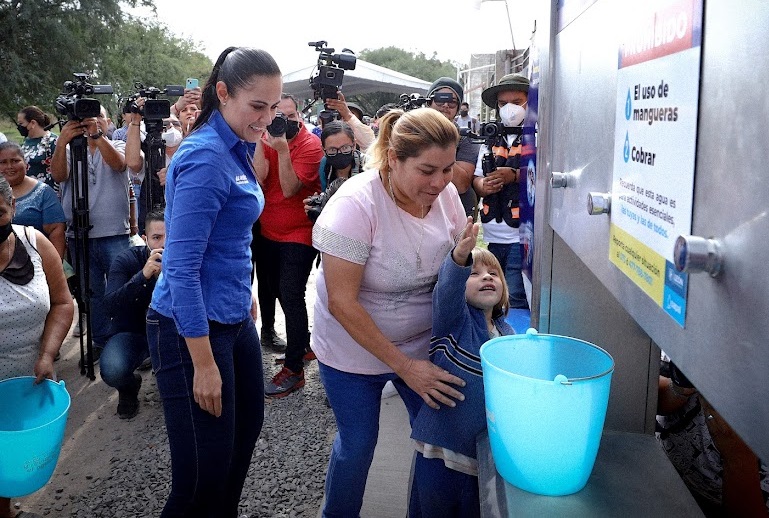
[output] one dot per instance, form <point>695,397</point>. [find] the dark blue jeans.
<point>101,252</point>
<point>122,355</point>
<point>356,400</point>
<point>209,455</point>
<point>441,492</point>
<point>282,270</point>
<point>510,257</point>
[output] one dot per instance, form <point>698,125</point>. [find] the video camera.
<point>408,102</point>
<point>489,134</point>
<point>154,109</point>
<point>328,78</point>
<point>73,102</point>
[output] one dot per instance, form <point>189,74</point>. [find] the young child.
<point>470,302</point>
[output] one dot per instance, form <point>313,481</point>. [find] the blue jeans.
<point>122,355</point>
<point>510,257</point>
<point>356,401</point>
<point>209,455</point>
<point>282,270</point>
<point>101,252</point>
<point>441,492</point>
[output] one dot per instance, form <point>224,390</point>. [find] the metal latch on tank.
<point>693,254</point>
<point>598,203</point>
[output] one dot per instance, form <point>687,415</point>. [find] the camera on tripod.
<point>73,102</point>
<point>154,109</point>
<point>330,74</point>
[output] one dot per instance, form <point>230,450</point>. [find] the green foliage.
<point>410,63</point>
<point>46,41</point>
<point>414,64</point>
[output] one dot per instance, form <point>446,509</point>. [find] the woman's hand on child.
<point>431,383</point>
<point>466,243</point>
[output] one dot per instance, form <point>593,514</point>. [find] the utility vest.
<point>503,205</point>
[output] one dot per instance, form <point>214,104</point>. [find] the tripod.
<point>81,225</point>
<point>154,160</point>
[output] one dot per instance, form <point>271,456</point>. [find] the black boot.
<point>270,339</point>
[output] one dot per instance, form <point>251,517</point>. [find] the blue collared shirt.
<point>212,201</point>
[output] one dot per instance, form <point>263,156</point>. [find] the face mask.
<point>5,231</point>
<point>173,137</point>
<point>23,130</point>
<point>292,128</point>
<point>340,160</point>
<point>463,113</point>
<point>512,115</point>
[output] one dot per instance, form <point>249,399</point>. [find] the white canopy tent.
<point>366,78</point>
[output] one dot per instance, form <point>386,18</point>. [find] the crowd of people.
<point>388,213</point>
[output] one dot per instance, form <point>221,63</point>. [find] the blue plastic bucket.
<point>546,399</point>
<point>32,421</point>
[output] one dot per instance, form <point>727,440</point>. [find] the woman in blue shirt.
<point>200,328</point>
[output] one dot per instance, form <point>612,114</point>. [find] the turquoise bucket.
<point>32,421</point>
<point>546,399</point>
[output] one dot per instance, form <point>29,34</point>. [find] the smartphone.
<point>191,83</point>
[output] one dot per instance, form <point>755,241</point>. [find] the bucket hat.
<point>510,82</point>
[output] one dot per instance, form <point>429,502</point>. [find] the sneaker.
<point>284,383</point>
<point>128,400</point>
<point>309,356</point>
<point>96,356</point>
<point>80,330</point>
<point>270,339</point>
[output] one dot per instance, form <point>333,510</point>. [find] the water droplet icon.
<point>626,154</point>
<point>628,106</point>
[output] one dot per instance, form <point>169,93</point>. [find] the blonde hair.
<point>410,133</point>
<point>483,257</point>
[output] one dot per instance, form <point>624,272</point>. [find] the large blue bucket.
<point>546,399</point>
<point>32,421</point>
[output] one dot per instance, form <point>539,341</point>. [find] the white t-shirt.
<point>362,224</point>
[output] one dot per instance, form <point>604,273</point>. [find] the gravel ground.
<point>113,468</point>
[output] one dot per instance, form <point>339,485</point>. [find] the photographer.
<point>341,161</point>
<point>500,188</point>
<point>286,166</point>
<point>444,95</point>
<point>135,150</point>
<point>107,186</point>
<point>364,135</point>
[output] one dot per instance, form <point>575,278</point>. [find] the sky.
<point>452,28</point>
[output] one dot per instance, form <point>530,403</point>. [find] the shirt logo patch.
<point>241,179</point>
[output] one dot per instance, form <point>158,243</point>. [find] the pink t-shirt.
<point>362,224</point>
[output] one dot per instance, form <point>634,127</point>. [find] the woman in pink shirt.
<point>383,237</point>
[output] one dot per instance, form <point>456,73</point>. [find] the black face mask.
<point>5,231</point>
<point>340,160</point>
<point>23,130</point>
<point>463,113</point>
<point>292,128</point>
<point>20,270</point>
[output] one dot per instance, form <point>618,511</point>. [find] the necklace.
<point>400,218</point>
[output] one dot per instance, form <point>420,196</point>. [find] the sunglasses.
<point>444,98</point>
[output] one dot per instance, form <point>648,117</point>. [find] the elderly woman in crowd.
<point>383,237</point>
<point>35,306</point>
<point>36,203</point>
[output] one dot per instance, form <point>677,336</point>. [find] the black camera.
<point>278,125</point>
<point>73,102</point>
<point>318,201</point>
<point>154,109</point>
<point>494,129</point>
<point>412,101</point>
<point>330,74</point>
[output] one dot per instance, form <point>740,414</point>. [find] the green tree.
<point>44,42</point>
<point>415,64</point>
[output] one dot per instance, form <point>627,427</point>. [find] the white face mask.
<point>173,137</point>
<point>512,115</point>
